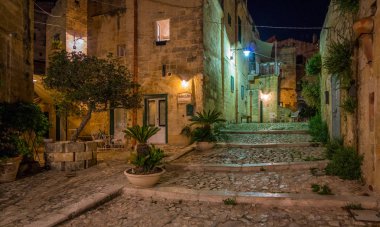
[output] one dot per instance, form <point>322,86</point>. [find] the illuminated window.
<point>163,30</point>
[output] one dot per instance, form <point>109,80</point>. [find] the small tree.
<point>93,83</point>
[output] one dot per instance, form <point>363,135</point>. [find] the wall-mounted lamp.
<point>246,52</point>
<point>77,41</point>
<point>184,84</point>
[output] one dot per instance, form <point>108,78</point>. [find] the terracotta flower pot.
<point>144,181</point>
<point>204,146</point>
<point>9,169</point>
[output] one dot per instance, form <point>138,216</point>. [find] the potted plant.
<point>141,135</point>
<point>205,134</point>
<point>146,173</point>
<point>12,147</point>
<point>22,126</point>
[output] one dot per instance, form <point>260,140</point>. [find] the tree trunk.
<point>82,125</point>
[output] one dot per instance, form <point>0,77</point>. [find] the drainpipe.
<point>236,65</point>
<point>222,60</point>
<point>135,55</point>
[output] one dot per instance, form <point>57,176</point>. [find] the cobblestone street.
<point>35,198</point>
<point>133,211</point>
<point>228,155</point>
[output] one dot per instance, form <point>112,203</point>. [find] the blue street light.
<point>246,52</point>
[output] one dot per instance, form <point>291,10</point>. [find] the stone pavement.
<point>267,138</point>
<point>137,211</point>
<point>36,197</point>
<point>268,126</point>
<point>228,155</point>
<point>39,197</point>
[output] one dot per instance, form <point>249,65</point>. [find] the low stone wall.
<point>67,155</point>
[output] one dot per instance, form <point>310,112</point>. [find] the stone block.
<point>81,156</point>
<point>60,157</point>
<point>74,147</point>
<point>91,146</point>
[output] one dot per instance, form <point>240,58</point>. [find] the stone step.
<point>268,199</point>
<point>269,145</point>
<point>266,132</point>
<point>267,138</point>
<point>257,167</point>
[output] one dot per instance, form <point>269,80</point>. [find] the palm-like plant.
<point>141,135</point>
<point>205,120</point>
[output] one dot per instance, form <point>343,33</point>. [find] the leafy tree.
<point>311,93</point>
<point>314,65</point>
<point>93,83</point>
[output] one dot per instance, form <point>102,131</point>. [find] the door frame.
<point>156,96</point>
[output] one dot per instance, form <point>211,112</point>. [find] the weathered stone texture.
<point>361,129</point>
<point>16,50</point>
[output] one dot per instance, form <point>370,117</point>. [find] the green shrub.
<point>318,129</point>
<point>349,105</point>
<point>314,65</point>
<point>311,92</point>
<point>338,60</point>
<point>345,163</point>
<point>147,164</point>
<point>22,126</point>
<point>229,201</point>
<point>332,146</point>
<point>347,6</point>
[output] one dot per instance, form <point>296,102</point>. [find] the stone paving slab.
<point>136,211</point>
<point>37,197</point>
<point>291,181</point>
<point>232,155</point>
<point>268,145</point>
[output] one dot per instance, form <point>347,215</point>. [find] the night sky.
<point>289,13</point>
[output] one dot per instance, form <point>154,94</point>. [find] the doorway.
<point>335,106</point>
<point>156,115</point>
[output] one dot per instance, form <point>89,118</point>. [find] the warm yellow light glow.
<point>185,84</point>
<point>265,97</point>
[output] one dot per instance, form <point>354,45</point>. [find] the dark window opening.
<point>229,20</point>
<point>232,84</point>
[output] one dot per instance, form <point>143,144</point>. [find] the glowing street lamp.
<point>184,84</point>
<point>246,52</point>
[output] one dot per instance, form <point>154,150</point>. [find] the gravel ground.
<point>291,181</point>
<point>267,138</point>
<point>135,211</point>
<point>228,155</point>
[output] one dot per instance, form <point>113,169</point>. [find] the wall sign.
<point>184,98</point>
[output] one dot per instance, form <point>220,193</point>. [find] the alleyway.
<point>242,172</point>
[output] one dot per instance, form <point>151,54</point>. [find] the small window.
<point>229,20</point>
<point>232,84</point>
<point>121,50</point>
<point>163,30</point>
<point>242,92</point>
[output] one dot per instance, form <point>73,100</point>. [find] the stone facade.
<point>361,129</point>
<point>202,57</point>
<point>16,50</point>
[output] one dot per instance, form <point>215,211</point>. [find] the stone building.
<point>360,129</point>
<point>16,50</point>
<point>186,55</point>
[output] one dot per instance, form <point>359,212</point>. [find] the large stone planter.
<point>9,169</point>
<point>144,181</point>
<point>71,156</point>
<point>204,146</point>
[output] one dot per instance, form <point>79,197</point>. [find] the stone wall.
<point>360,129</point>
<point>16,50</point>
<point>288,77</point>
